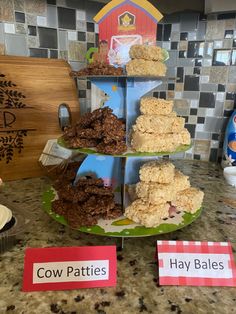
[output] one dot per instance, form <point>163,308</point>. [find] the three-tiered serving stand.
<point>121,171</point>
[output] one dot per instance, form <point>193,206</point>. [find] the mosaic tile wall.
<point>202,56</point>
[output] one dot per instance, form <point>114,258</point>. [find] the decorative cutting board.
<point>31,90</point>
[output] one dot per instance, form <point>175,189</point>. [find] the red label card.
<point>64,268</point>
<point>194,263</point>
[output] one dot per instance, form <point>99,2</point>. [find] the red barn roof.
<point>144,5</point>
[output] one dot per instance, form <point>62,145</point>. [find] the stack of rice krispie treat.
<point>162,191</point>
<point>158,129</point>
<point>146,61</point>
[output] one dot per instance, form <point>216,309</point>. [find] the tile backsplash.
<point>202,58</point>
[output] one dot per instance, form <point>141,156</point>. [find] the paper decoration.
<point>194,263</point>
<point>123,23</point>
<point>63,268</point>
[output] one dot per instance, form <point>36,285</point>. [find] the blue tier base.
<point>123,95</point>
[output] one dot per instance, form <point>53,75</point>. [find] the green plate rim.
<point>89,151</point>
<point>138,231</point>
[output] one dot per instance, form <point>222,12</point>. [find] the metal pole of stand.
<point>121,242</point>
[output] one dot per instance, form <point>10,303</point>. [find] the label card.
<point>194,263</point>
<point>64,268</point>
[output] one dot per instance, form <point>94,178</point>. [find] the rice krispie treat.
<point>154,142</point>
<point>153,105</point>
<point>147,53</point>
<point>180,182</point>
<point>155,193</point>
<point>156,201</point>
<point>157,171</point>
<point>146,214</point>
<point>148,123</point>
<point>185,138</point>
<point>189,200</point>
<point>145,68</point>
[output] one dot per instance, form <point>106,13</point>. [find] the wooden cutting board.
<point>31,90</point>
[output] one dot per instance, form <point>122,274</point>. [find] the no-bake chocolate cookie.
<point>85,201</point>
<point>99,68</point>
<point>100,129</point>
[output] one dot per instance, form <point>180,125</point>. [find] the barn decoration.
<point>123,23</point>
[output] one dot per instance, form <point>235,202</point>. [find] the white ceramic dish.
<point>20,218</point>
<point>230,175</point>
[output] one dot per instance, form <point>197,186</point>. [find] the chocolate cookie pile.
<point>100,129</point>
<point>85,202</point>
<point>98,68</point>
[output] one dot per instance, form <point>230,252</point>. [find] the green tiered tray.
<point>129,153</point>
<point>122,227</point>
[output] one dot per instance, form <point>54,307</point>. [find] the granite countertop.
<point>137,290</point>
